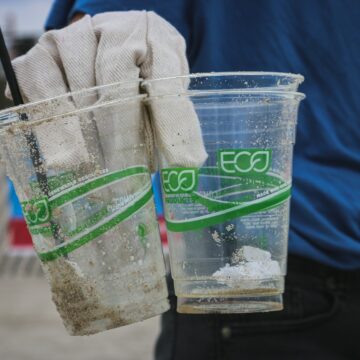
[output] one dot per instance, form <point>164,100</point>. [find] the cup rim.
<point>299,77</point>
<point>22,108</point>
<point>296,79</point>
<point>294,95</point>
<point>17,122</point>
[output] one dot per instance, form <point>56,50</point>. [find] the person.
<point>319,39</point>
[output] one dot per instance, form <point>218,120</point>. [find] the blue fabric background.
<point>319,39</point>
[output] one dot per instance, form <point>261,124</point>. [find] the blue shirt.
<point>319,39</point>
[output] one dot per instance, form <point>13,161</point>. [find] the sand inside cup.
<point>77,300</point>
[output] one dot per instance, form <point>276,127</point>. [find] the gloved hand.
<point>107,48</point>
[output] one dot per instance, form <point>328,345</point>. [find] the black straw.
<point>9,72</point>
<point>30,137</point>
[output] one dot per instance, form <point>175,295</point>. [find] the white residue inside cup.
<point>248,263</point>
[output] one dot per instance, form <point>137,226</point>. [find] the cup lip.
<point>297,80</point>
<point>232,73</point>
<point>300,78</point>
<point>290,95</point>
<point>18,123</point>
<point>22,108</point>
<point>141,82</point>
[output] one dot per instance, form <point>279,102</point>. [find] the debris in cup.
<point>250,253</point>
<point>230,227</point>
<point>248,262</point>
<point>216,237</point>
<point>77,300</point>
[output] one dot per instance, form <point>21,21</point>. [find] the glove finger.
<point>74,49</point>
<point>175,123</point>
<point>121,46</point>
<point>121,42</point>
<point>40,76</point>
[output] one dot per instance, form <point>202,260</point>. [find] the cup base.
<point>229,305</point>
<point>113,317</point>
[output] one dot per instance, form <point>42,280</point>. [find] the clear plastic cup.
<point>80,169</point>
<point>228,220</point>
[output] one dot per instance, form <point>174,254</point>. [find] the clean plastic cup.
<point>228,220</point>
<point>88,204</point>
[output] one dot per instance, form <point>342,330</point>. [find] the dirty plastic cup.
<point>228,220</point>
<point>80,169</point>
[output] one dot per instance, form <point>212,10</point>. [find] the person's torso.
<point>319,39</point>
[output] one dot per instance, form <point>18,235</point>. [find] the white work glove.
<point>107,48</point>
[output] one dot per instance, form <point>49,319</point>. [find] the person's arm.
<point>59,13</point>
<point>63,12</point>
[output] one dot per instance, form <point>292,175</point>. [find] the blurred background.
<point>30,327</point>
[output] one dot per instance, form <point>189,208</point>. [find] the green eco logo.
<point>244,161</point>
<point>36,211</point>
<point>179,180</point>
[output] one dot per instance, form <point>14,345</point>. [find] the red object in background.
<point>162,228</point>
<point>19,234</point>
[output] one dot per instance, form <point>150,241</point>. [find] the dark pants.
<point>320,321</point>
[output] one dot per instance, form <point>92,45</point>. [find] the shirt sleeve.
<point>63,10</point>
<point>59,13</point>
